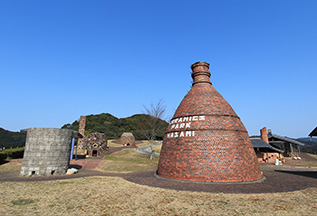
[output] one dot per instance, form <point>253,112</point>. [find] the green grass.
<point>22,202</point>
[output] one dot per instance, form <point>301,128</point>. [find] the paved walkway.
<point>276,180</point>
<point>147,149</point>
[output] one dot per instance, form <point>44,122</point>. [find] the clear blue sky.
<point>63,59</point>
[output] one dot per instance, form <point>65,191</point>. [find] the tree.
<point>152,126</point>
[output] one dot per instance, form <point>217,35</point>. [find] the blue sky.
<point>63,59</point>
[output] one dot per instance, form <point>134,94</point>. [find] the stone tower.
<point>81,130</point>
<point>47,151</point>
<point>206,140</point>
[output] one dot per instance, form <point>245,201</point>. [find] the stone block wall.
<point>47,151</point>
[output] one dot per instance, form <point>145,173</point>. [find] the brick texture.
<point>264,135</point>
<point>81,130</point>
<point>206,140</point>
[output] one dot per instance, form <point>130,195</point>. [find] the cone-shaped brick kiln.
<point>206,140</point>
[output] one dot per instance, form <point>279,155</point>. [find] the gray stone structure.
<point>47,151</point>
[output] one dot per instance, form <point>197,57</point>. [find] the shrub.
<point>12,153</point>
<point>3,156</point>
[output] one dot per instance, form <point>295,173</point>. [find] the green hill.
<point>113,127</point>
<point>11,139</point>
<point>310,145</point>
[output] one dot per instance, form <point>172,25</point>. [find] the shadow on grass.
<point>3,162</point>
<point>310,174</point>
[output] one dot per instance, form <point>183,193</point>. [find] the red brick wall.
<point>206,141</point>
<point>264,135</point>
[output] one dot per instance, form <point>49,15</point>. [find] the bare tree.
<point>153,125</point>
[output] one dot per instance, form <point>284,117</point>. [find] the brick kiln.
<point>206,140</point>
<point>47,151</point>
<point>127,139</point>
<point>95,144</point>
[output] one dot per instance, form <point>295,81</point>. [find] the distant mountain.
<point>113,127</point>
<point>11,139</point>
<point>310,144</point>
<point>313,139</point>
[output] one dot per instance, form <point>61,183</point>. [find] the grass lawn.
<point>114,143</point>
<point>157,148</point>
<point>127,160</point>
<point>116,196</point>
<point>10,166</point>
<point>303,162</point>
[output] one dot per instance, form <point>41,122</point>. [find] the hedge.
<point>11,153</point>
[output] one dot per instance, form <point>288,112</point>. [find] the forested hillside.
<point>11,139</point>
<point>310,145</point>
<point>113,127</point>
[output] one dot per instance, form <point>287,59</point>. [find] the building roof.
<point>313,133</point>
<point>286,139</point>
<point>257,142</point>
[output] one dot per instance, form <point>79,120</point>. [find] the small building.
<point>290,146</point>
<point>127,139</point>
<point>264,151</point>
<point>95,144</point>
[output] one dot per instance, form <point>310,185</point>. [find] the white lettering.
<point>176,134</point>
<point>201,118</point>
<point>181,134</point>
<point>188,133</point>
<point>186,123</point>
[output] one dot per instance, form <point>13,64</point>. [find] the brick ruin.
<point>95,144</point>
<point>206,140</point>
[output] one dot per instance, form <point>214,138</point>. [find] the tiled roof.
<point>259,143</point>
<point>286,139</point>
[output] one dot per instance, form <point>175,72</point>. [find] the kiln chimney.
<point>264,135</point>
